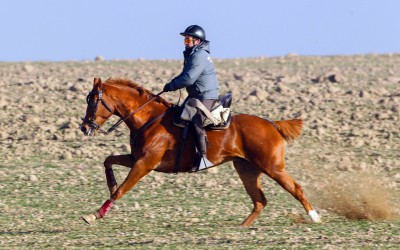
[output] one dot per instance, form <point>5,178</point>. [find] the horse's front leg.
<point>123,160</point>
<point>140,168</point>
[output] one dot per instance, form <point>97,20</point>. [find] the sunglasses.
<point>188,40</point>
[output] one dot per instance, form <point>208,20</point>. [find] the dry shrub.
<point>358,196</point>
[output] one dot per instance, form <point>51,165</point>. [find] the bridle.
<point>94,126</point>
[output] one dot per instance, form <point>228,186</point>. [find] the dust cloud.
<point>358,196</point>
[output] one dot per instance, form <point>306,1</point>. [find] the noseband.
<point>94,126</point>
<point>89,100</point>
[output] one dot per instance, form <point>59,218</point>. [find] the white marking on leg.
<point>314,216</point>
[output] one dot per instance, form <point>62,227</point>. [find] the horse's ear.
<point>97,83</point>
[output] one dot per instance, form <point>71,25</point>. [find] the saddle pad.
<point>182,123</point>
<point>217,117</point>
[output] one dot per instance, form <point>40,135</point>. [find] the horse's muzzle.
<point>86,129</point>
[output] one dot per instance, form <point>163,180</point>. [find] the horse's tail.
<point>289,129</point>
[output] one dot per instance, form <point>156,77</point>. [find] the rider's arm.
<point>191,71</point>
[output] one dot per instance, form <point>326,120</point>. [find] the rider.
<point>200,79</point>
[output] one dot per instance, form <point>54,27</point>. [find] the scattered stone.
<point>344,164</point>
<point>22,177</point>
<point>77,88</point>
<point>313,90</point>
<point>291,55</point>
<point>99,58</point>
<point>364,94</point>
<point>194,220</point>
<point>212,170</point>
<point>28,68</point>
<point>66,156</point>
<point>33,178</point>
<point>284,90</point>
<point>260,94</point>
<point>210,184</point>
<point>3,135</point>
<point>83,179</point>
<point>136,206</point>
<point>395,108</point>
<point>329,77</point>
<point>335,78</point>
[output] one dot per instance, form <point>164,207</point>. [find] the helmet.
<point>195,31</point>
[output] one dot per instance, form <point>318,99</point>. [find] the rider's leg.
<point>198,121</point>
<point>201,136</point>
<point>200,133</point>
<point>208,103</point>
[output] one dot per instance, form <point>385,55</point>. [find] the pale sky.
<point>60,30</point>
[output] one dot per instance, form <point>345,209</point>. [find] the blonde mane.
<point>140,89</point>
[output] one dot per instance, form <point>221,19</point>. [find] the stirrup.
<point>201,163</point>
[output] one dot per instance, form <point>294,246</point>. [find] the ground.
<point>347,159</point>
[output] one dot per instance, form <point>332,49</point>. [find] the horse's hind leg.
<point>250,177</point>
<point>280,175</point>
<point>123,160</point>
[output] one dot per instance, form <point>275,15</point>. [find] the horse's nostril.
<point>83,128</point>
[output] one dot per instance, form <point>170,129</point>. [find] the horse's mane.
<point>140,89</point>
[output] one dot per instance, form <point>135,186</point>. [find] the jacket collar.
<point>204,45</point>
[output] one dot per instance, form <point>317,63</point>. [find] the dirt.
<point>363,196</point>
<point>346,160</point>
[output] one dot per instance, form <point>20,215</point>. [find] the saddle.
<point>218,118</point>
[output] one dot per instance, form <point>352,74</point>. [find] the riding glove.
<point>168,87</point>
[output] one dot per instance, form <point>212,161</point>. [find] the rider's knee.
<point>192,102</point>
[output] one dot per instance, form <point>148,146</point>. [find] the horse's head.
<point>97,111</point>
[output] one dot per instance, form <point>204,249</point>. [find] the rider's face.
<point>190,41</point>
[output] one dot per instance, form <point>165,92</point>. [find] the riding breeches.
<point>197,121</point>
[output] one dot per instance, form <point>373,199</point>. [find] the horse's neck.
<point>138,118</point>
<point>128,101</point>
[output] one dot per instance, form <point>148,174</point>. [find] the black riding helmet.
<point>195,31</point>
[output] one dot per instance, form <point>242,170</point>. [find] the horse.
<point>254,145</point>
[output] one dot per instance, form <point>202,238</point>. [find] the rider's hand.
<point>168,87</point>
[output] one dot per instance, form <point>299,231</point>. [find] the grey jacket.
<point>198,74</point>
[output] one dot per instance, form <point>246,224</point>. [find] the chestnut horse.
<point>255,145</point>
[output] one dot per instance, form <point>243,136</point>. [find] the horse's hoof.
<point>89,219</point>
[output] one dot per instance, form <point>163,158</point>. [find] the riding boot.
<point>201,161</point>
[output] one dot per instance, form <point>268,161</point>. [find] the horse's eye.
<point>90,100</point>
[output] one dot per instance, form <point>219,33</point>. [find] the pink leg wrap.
<point>105,208</point>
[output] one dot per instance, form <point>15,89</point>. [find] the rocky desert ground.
<point>347,159</point>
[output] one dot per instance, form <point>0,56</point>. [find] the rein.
<point>113,127</point>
